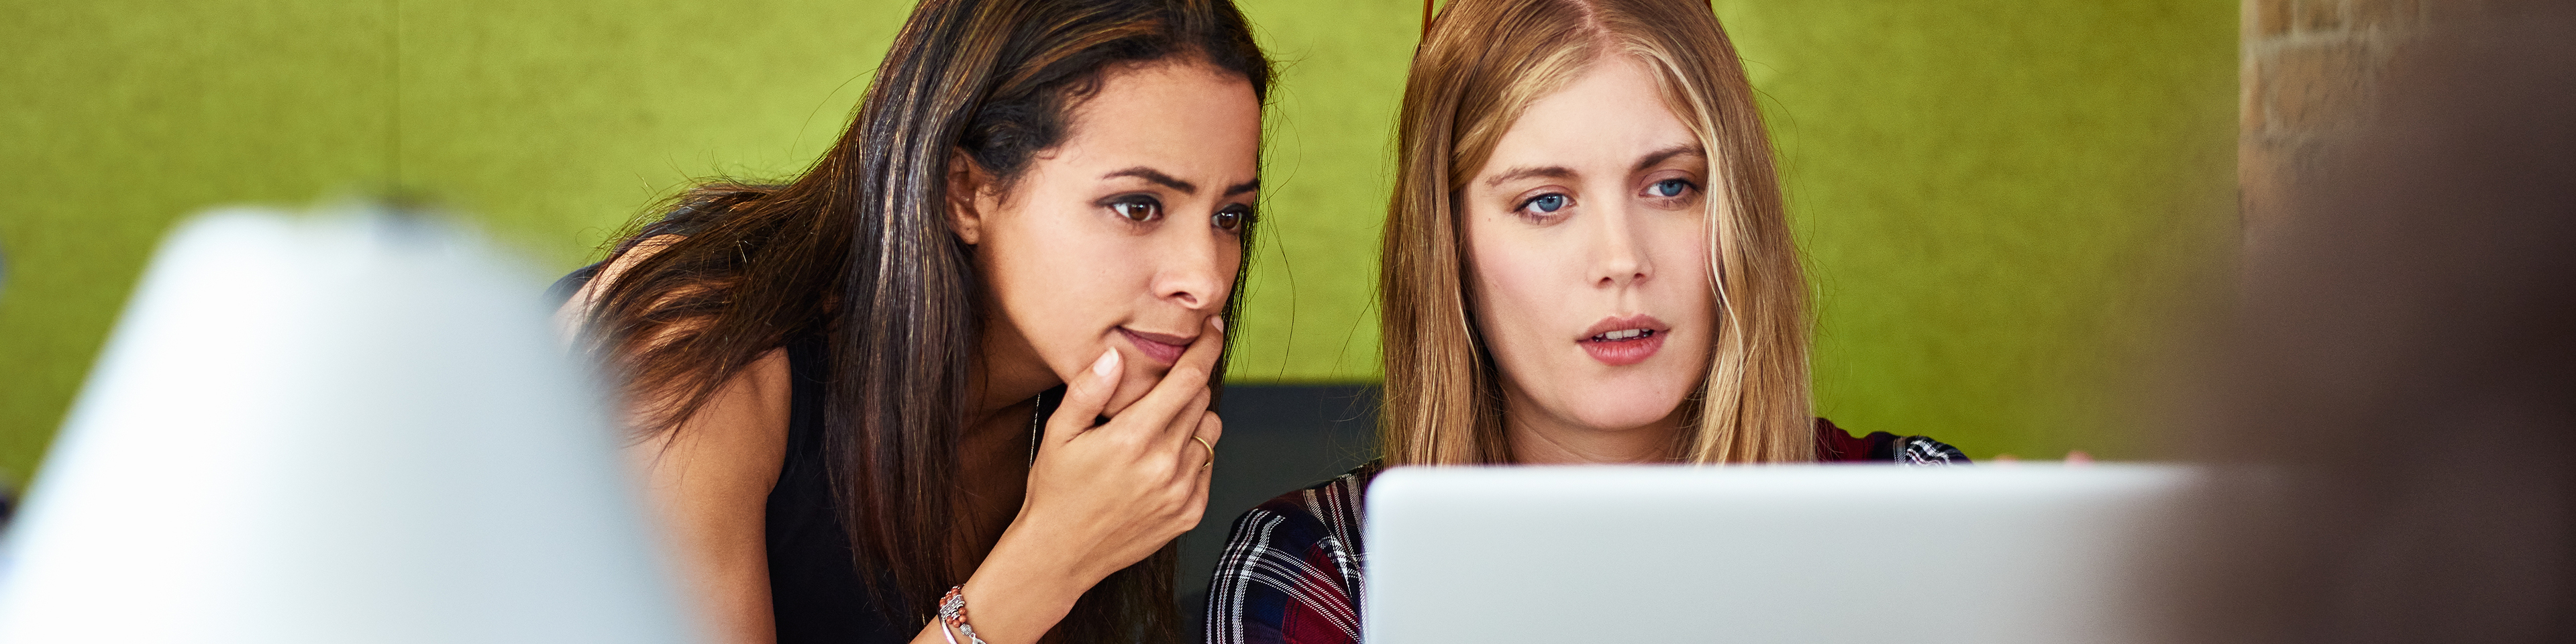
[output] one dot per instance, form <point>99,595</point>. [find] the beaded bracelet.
<point>952,613</point>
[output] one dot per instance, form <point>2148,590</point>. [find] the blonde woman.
<point>1586,261</point>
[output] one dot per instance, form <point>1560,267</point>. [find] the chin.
<point>1619,410</point>
<point>1140,380</point>
<point>1136,377</point>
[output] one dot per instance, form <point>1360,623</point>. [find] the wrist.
<point>1056,545</point>
<point>1019,593</point>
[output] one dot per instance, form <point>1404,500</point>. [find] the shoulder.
<point>752,404</point>
<point>1291,569</point>
<point>746,418</point>
<point>577,291</point>
<point>1317,527</point>
<point>1834,444</point>
<point>1326,510</point>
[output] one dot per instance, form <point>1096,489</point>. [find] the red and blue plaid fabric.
<point>1291,569</point>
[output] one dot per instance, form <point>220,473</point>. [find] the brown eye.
<point>1230,219</point>
<point>1139,208</point>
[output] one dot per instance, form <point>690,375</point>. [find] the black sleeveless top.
<point>815,593</point>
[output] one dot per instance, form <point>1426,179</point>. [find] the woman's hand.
<point>1120,490</point>
<point>1100,497</point>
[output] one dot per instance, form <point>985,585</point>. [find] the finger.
<point>1197,507</point>
<point>1206,428</point>
<point>1187,380</point>
<point>1084,397</point>
<point>1203,352</point>
<point>1209,428</point>
<point>1185,422</point>
<point>1213,429</point>
<point>1191,455</point>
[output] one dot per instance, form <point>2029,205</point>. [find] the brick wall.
<point>2310,69</point>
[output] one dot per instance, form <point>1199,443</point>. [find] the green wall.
<point>2002,199</point>
<point>2004,204</point>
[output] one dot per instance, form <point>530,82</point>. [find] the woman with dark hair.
<point>969,354</point>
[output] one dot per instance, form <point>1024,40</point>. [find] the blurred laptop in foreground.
<point>1823,554</point>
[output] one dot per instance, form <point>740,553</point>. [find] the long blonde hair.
<point>1480,64</point>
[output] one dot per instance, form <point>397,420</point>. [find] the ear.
<point>967,182</point>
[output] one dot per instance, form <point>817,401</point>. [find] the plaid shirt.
<point>1291,570</point>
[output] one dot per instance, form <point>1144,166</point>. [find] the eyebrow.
<point>1549,172</point>
<point>1658,157</point>
<point>1157,176</point>
<point>1651,159</point>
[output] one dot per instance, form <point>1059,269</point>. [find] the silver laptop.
<point>1813,553</point>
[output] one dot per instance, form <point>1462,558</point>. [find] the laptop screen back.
<point>1813,553</point>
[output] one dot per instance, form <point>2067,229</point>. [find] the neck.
<point>1538,438</point>
<point>1006,372</point>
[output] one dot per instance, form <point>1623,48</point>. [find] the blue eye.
<point>1545,203</point>
<point>1668,188</point>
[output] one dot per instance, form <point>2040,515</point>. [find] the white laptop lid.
<point>1811,553</point>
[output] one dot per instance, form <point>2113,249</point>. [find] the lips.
<point>1621,341</point>
<point>1159,347</point>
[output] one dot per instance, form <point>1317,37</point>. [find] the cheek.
<point>1056,283</point>
<point>1515,279</point>
<point>1688,293</point>
<point>1683,256</point>
<point>1034,259</point>
<point>1225,254</point>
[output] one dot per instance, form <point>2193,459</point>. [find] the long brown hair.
<point>1479,65</point>
<point>857,250</point>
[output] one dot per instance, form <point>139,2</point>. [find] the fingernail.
<point>1219,322</point>
<point>1108,362</point>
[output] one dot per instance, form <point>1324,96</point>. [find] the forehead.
<point>1182,118</point>
<point>1606,117</point>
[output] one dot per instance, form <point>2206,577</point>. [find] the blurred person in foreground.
<point>2403,375</point>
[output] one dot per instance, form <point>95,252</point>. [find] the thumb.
<point>1084,397</point>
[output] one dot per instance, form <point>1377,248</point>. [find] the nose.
<point>1194,270</point>
<point>1618,255</point>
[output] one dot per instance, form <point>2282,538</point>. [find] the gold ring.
<point>1211,451</point>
